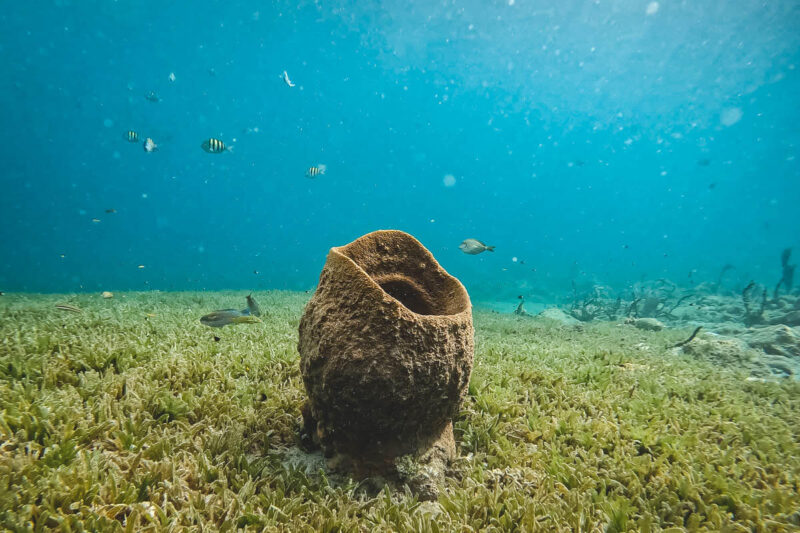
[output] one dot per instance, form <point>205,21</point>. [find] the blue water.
<point>597,142</point>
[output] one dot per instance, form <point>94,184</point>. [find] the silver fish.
<point>252,306</point>
<point>149,145</point>
<point>474,247</point>
<point>224,317</point>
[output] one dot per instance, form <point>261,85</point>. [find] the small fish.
<point>286,79</point>
<point>96,220</point>
<point>252,306</point>
<point>711,186</point>
<point>111,210</point>
<point>141,266</point>
<point>474,247</point>
<point>225,317</point>
<point>318,170</point>
<point>149,145</point>
<point>107,295</point>
<point>215,146</point>
<point>171,76</point>
<point>152,96</point>
<point>131,136</point>
<point>69,307</point>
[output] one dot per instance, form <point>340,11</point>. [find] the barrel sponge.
<point>386,348</point>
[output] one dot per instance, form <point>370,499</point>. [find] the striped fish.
<point>315,171</point>
<point>69,307</point>
<point>131,136</point>
<point>215,146</point>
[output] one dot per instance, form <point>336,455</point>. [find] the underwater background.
<point>600,142</point>
<point>631,361</point>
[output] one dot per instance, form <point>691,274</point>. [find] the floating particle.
<point>652,8</point>
<point>141,266</point>
<point>171,76</point>
<point>514,259</point>
<point>108,123</point>
<point>730,116</point>
<point>449,180</point>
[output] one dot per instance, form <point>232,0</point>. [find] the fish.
<point>152,96</point>
<point>149,145</point>
<point>252,306</point>
<point>474,247</point>
<point>107,295</point>
<point>96,220</point>
<point>286,79</point>
<point>111,210</point>
<point>131,136</point>
<point>225,317</point>
<point>215,146</point>
<point>69,307</point>
<point>171,76</point>
<point>318,170</point>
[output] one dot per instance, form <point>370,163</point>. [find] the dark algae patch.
<point>129,416</point>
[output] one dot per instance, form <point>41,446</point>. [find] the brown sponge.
<point>386,347</point>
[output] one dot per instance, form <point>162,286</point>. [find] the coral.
<point>754,312</point>
<point>558,316</point>
<point>725,351</point>
<point>650,324</point>
<point>787,273</point>
<point>775,340</point>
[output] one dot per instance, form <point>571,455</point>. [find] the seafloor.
<point>131,415</point>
